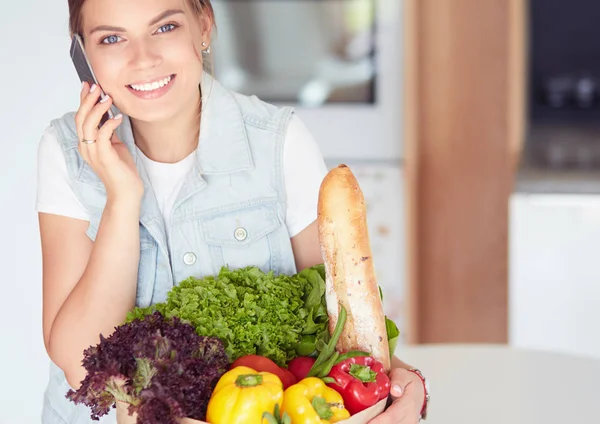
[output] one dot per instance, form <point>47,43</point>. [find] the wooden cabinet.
<point>463,119</point>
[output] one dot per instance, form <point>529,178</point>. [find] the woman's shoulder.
<point>282,119</point>
<point>256,111</point>
<point>55,194</point>
<point>63,129</point>
<point>53,141</point>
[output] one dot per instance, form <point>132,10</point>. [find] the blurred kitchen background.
<point>346,66</point>
<point>343,64</point>
<point>473,127</point>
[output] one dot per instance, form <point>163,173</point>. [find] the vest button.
<point>189,258</point>
<point>240,234</point>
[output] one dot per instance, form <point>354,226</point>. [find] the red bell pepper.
<point>261,363</point>
<point>300,366</point>
<point>361,381</point>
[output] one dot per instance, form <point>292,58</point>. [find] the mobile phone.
<point>85,71</point>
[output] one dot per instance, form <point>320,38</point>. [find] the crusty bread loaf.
<point>351,281</point>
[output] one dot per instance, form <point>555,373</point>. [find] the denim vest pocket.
<point>243,236</point>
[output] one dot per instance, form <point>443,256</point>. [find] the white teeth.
<point>151,86</point>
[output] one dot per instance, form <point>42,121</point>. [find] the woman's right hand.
<point>107,155</point>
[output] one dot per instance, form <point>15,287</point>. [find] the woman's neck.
<point>171,140</point>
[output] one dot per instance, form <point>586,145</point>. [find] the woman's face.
<point>146,54</point>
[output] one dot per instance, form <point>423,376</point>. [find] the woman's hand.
<point>103,151</point>
<point>408,396</point>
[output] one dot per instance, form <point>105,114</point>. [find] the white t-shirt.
<point>303,168</point>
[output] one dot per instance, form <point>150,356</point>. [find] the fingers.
<point>105,137</point>
<point>87,119</point>
<point>407,392</point>
<point>107,130</point>
<point>101,153</point>
<point>92,120</point>
<point>402,411</point>
<point>395,414</point>
<point>85,89</point>
<point>89,97</point>
<point>400,378</point>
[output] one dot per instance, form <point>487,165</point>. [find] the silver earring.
<point>206,49</point>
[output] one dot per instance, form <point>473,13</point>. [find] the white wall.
<point>39,84</point>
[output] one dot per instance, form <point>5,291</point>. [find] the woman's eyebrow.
<point>165,15</point>
<point>154,21</point>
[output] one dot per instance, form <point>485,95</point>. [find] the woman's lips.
<point>152,90</point>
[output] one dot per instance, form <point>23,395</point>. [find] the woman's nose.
<point>144,55</point>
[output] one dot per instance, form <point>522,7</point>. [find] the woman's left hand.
<point>408,396</point>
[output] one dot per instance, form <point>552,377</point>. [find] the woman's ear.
<point>207,26</point>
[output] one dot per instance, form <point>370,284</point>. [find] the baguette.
<point>350,276</point>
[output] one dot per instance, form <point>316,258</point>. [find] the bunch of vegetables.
<point>247,337</point>
<point>278,317</point>
<point>259,396</point>
<point>328,389</point>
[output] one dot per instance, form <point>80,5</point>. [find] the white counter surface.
<point>474,384</point>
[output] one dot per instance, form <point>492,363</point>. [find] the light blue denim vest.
<point>230,211</point>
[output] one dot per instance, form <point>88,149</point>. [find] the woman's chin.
<point>149,114</point>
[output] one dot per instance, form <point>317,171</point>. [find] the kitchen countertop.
<point>497,384</point>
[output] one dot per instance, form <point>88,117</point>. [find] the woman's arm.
<point>88,287</point>
<point>306,247</point>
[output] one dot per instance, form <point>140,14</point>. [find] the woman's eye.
<point>166,28</point>
<point>111,39</point>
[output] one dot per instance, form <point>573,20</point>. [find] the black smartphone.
<point>85,71</point>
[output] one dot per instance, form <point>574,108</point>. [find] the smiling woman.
<point>189,177</point>
<point>144,50</point>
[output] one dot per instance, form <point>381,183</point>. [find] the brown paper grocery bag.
<point>123,416</point>
<point>362,417</point>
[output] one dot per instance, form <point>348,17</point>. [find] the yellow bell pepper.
<point>310,401</point>
<point>242,395</point>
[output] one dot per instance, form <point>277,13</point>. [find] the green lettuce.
<point>252,312</point>
<point>256,313</point>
